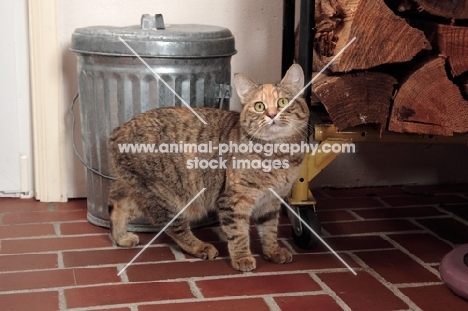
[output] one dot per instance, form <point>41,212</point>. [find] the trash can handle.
<point>95,171</point>
<point>149,22</point>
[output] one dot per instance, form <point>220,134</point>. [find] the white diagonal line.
<point>313,79</point>
<point>160,232</point>
<point>164,82</point>
<point>311,230</point>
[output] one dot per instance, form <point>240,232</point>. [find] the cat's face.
<point>269,113</point>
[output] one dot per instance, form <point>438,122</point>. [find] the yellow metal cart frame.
<point>302,199</point>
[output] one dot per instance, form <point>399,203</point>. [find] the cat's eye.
<point>283,102</point>
<point>259,107</point>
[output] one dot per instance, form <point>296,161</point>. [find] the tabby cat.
<point>158,185</point>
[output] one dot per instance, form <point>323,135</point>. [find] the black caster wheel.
<point>303,237</point>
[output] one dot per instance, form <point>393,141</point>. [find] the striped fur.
<point>159,185</point>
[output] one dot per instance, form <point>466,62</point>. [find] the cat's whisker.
<point>262,132</point>
<point>258,129</point>
<point>298,126</point>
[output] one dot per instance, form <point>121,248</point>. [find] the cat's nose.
<point>272,114</point>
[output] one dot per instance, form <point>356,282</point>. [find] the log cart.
<point>403,80</point>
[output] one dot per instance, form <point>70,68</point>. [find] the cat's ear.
<point>294,77</point>
<point>243,85</point>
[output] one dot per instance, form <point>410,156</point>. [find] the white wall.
<point>256,26</point>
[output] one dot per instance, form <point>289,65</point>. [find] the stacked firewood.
<point>406,71</point>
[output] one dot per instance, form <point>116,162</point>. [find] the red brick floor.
<point>51,258</point>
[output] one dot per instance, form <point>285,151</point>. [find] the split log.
<point>452,9</point>
<point>381,36</point>
<point>453,42</point>
<point>429,103</point>
<point>355,99</point>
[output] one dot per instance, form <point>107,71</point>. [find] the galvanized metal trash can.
<point>115,85</point>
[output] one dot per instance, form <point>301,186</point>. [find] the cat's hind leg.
<point>122,210</point>
<point>120,215</point>
<point>180,232</point>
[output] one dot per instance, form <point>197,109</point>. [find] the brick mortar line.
<point>32,291</point>
<point>377,233</point>
<point>85,235</point>
<point>271,303</point>
<point>297,294</point>
<point>51,207</point>
<point>370,250</point>
<point>344,209</point>
<point>389,206</point>
<point>251,274</point>
<point>72,250</point>
<point>241,297</point>
<point>177,252</point>
<point>420,284</point>
<point>330,292</point>
<point>372,208</point>
<point>178,280</point>
<point>57,230</point>
<point>110,265</point>
<point>123,276</point>
<point>355,215</point>
<point>391,287</point>
<point>62,236</point>
<point>381,201</point>
<point>430,232</point>
<point>58,222</point>
<point>62,300</point>
<point>224,258</point>
<point>196,291</point>
<point>400,207</point>
<point>393,218</point>
<point>380,219</point>
<point>453,215</point>
<point>346,251</point>
<point>170,246</point>
<point>411,255</point>
<point>195,300</point>
<point>155,263</point>
<point>61,268</point>
<point>60,262</point>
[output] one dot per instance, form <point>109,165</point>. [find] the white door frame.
<point>47,109</point>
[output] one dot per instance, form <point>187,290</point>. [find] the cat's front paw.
<point>244,264</point>
<point>206,251</point>
<point>130,240</point>
<point>280,255</point>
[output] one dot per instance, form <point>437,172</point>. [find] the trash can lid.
<point>154,39</point>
